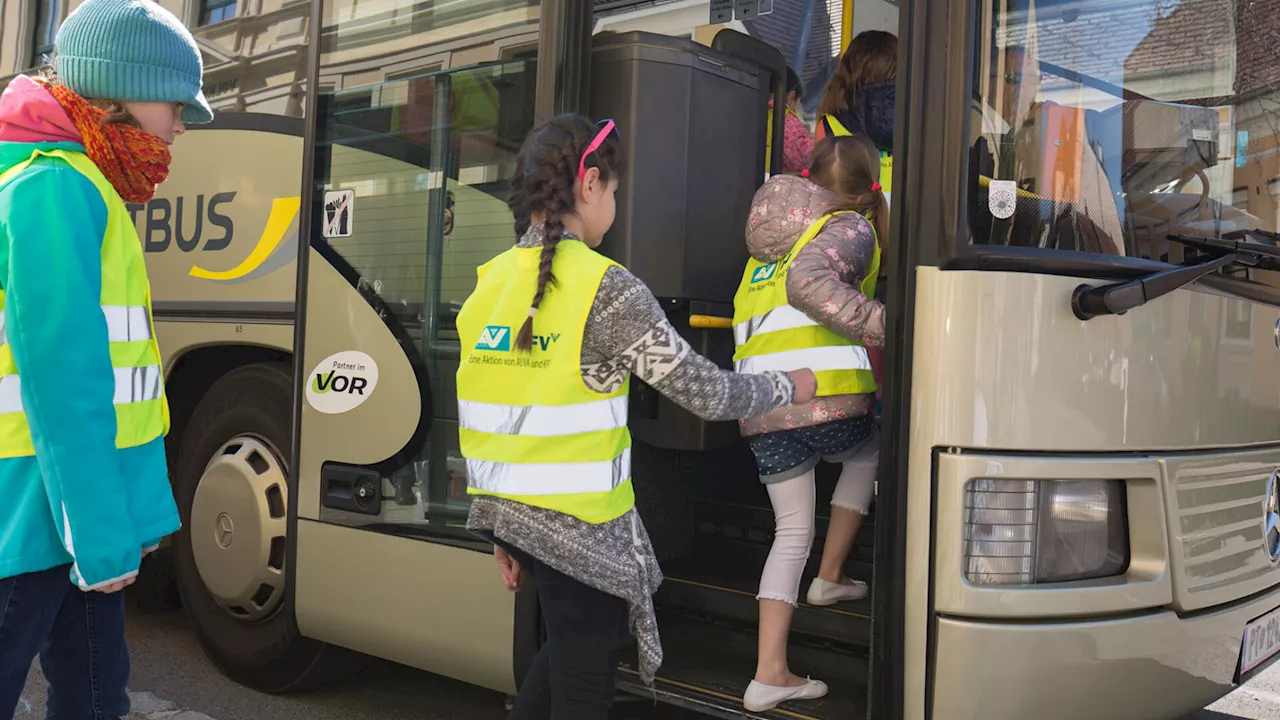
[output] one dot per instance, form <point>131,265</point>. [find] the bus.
<point>1078,507</point>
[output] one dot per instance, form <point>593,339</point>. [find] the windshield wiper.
<point>1255,254</point>
<point>1088,302</point>
<point>1265,237</point>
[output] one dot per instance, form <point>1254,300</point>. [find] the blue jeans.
<point>79,637</point>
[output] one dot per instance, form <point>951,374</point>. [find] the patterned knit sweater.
<point>627,332</point>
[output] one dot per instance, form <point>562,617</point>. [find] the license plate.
<point>1261,641</point>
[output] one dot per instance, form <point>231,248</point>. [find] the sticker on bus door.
<point>338,211</point>
<point>342,382</point>
<point>1002,198</point>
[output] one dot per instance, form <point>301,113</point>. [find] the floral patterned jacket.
<point>822,282</point>
<point>797,142</point>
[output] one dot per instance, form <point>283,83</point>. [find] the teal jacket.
<point>80,501</point>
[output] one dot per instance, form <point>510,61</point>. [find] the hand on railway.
<point>512,573</point>
<point>806,384</point>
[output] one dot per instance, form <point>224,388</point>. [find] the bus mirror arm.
<point>1088,302</point>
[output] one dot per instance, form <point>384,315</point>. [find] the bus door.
<point>420,111</point>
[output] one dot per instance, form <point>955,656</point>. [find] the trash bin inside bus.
<point>692,125</point>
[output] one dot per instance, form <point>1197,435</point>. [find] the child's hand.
<point>806,384</point>
<point>116,587</point>
<point>512,573</point>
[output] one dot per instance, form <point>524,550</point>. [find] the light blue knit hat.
<point>131,50</point>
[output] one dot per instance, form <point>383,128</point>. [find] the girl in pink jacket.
<point>823,282</point>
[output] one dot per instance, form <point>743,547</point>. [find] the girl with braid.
<point>543,413</point>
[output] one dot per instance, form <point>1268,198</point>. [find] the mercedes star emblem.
<point>1271,515</point>
<point>226,531</point>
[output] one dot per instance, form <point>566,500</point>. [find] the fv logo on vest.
<point>764,273</point>
<point>496,338</point>
<point>342,382</point>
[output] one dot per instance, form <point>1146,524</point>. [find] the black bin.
<point>692,124</point>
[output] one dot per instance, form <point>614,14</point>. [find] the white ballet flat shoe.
<point>823,593</point>
<point>760,697</point>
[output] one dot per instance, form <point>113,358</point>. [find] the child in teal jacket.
<point>82,413</point>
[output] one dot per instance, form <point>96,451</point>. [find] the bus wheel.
<point>232,485</point>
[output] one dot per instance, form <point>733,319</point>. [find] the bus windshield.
<point>1104,127</point>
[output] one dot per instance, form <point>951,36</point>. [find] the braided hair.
<point>543,186</point>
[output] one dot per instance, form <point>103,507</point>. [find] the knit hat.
<point>133,51</point>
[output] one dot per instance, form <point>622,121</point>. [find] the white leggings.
<point>793,510</point>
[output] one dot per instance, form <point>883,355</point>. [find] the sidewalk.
<point>146,706</point>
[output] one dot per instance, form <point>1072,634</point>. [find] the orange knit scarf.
<point>133,161</point>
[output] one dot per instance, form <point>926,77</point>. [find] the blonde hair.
<point>848,166</point>
<point>115,110</point>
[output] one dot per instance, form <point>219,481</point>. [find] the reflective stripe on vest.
<point>531,431</point>
<point>125,323</point>
<point>549,479</point>
<point>543,420</point>
<point>770,334</point>
<point>133,384</point>
<point>142,412</point>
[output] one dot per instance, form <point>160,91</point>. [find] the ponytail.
<point>849,168</point>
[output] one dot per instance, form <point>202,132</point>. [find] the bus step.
<point>707,666</point>
<point>846,623</point>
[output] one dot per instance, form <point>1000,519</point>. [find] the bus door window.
<point>427,141</point>
<point>1101,129</point>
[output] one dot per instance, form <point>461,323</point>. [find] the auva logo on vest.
<point>764,273</point>
<point>496,338</point>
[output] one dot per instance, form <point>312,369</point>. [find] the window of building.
<point>215,11</point>
<point>1240,198</point>
<point>48,16</point>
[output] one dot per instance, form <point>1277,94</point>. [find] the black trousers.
<point>573,674</point>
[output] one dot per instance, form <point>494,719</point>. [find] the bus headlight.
<point>1028,532</point>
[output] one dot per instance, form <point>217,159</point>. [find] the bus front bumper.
<point>1151,666</point>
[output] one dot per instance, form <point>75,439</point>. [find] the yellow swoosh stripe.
<point>283,211</point>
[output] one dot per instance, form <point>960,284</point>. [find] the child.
<point>547,447</point>
<point>859,99</point>
<point>806,298</point>
<point>82,406</point>
<point>797,143</point>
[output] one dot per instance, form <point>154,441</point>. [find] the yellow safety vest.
<point>529,427</point>
<point>142,411</point>
<point>886,159</point>
<point>770,334</point>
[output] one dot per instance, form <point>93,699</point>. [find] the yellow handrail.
<point>708,322</point>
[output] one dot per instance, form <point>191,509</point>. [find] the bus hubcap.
<point>238,528</point>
